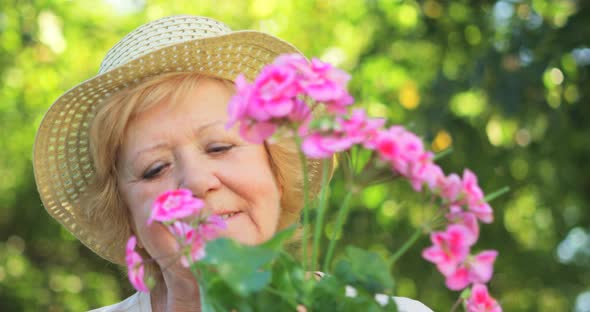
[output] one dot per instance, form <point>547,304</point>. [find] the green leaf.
<point>240,267</point>
<point>288,275</point>
<point>329,294</point>
<point>364,270</point>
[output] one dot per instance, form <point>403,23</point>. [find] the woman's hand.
<point>178,290</point>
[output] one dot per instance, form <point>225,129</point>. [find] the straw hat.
<point>61,157</point>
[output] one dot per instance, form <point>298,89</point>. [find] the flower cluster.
<point>451,248</point>
<point>285,93</point>
<point>405,152</point>
<point>339,134</point>
<point>281,92</point>
<point>170,209</point>
<point>135,268</point>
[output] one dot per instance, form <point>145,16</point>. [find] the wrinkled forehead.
<point>184,114</point>
<point>171,89</point>
<point>115,114</point>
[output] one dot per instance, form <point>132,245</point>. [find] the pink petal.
<point>482,266</point>
<point>131,244</point>
<point>467,219</point>
<point>481,301</point>
<point>483,211</point>
<point>257,132</point>
<point>458,280</point>
<point>312,147</point>
<point>434,254</point>
<point>175,204</point>
<point>239,102</point>
<point>279,108</point>
<point>136,277</point>
<point>451,186</point>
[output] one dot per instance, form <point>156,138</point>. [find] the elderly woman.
<point>153,120</point>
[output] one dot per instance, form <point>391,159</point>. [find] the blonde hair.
<point>102,201</point>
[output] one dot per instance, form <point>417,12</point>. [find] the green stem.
<point>402,250</point>
<point>442,154</point>
<point>456,305</point>
<point>206,307</point>
<point>342,213</point>
<point>303,160</point>
<point>320,213</point>
<point>497,194</point>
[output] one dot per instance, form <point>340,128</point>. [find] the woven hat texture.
<point>61,155</point>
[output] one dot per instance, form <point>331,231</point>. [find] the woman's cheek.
<point>159,242</point>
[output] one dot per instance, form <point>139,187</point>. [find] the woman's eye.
<point>219,148</point>
<point>153,171</point>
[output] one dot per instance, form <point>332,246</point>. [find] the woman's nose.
<point>199,177</point>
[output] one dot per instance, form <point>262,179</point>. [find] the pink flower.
<point>339,134</point>
<point>483,211</point>
<point>387,144</point>
<point>190,243</point>
<point>257,132</point>
<point>475,269</point>
<point>274,91</point>
<point>174,205</point>
<point>279,96</point>
<point>449,248</point>
<point>196,252</point>
<point>432,175</point>
<point>400,147</point>
<point>411,145</point>
<point>238,105</point>
<point>467,219</point>
<point>296,61</point>
<point>261,107</point>
<point>458,279</point>
<point>481,267</point>
<point>481,301</point>
<point>423,170</point>
<point>359,128</point>
<point>319,146</point>
<point>135,268</point>
<point>301,111</point>
<point>327,84</point>
<point>320,81</point>
<point>211,227</point>
<point>405,151</point>
<point>183,232</point>
<point>475,198</point>
<point>451,187</point>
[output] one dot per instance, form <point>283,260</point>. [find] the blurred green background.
<point>504,83</point>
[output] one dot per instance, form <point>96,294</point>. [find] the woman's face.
<point>186,145</point>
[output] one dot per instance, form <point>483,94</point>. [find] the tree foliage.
<point>504,83</point>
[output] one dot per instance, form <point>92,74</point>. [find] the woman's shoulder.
<point>139,302</point>
<point>404,304</point>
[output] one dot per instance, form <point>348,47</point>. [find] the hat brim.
<point>61,155</point>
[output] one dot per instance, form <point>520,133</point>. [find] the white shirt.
<point>140,302</point>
